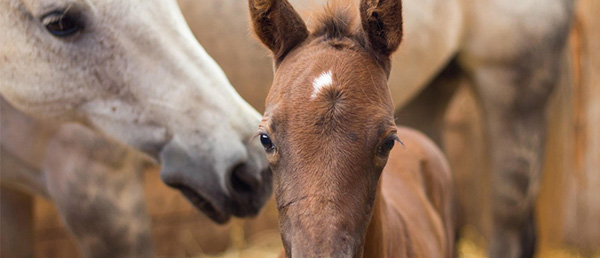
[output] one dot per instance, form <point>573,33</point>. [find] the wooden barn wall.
<point>575,142</point>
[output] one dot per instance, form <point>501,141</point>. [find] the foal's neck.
<point>385,228</point>
<point>374,242</point>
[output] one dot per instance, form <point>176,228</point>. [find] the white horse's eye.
<point>61,24</point>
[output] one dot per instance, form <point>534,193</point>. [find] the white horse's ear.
<point>381,21</point>
<point>277,25</point>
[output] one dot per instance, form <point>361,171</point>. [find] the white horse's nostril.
<point>242,181</point>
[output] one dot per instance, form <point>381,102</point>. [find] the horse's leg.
<point>515,131</point>
<point>426,111</point>
<point>512,53</point>
<point>97,188</point>
<point>16,216</point>
<point>18,174</point>
<point>514,97</point>
<point>19,181</point>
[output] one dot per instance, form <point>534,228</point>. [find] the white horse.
<point>134,72</point>
<point>509,51</point>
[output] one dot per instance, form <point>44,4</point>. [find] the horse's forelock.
<point>338,20</point>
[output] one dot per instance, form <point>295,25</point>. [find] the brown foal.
<point>328,131</point>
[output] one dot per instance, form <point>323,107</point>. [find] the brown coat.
<point>413,209</point>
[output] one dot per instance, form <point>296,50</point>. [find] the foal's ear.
<point>277,25</point>
<point>382,23</point>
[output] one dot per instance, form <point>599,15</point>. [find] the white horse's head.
<point>134,71</point>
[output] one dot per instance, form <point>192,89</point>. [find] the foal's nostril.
<point>242,181</point>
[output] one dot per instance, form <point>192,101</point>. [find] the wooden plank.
<point>584,188</point>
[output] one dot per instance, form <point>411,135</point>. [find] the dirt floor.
<point>269,246</point>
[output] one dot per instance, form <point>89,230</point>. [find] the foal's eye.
<point>266,143</point>
<point>386,146</point>
<point>61,24</point>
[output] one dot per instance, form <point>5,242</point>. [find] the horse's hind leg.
<point>515,131</point>
<point>97,188</point>
<point>513,75</point>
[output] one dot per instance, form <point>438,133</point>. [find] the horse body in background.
<point>328,131</point>
<point>509,52</point>
<point>135,73</point>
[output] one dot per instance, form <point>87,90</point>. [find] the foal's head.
<point>328,125</point>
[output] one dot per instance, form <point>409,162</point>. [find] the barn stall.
<point>568,206</point>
